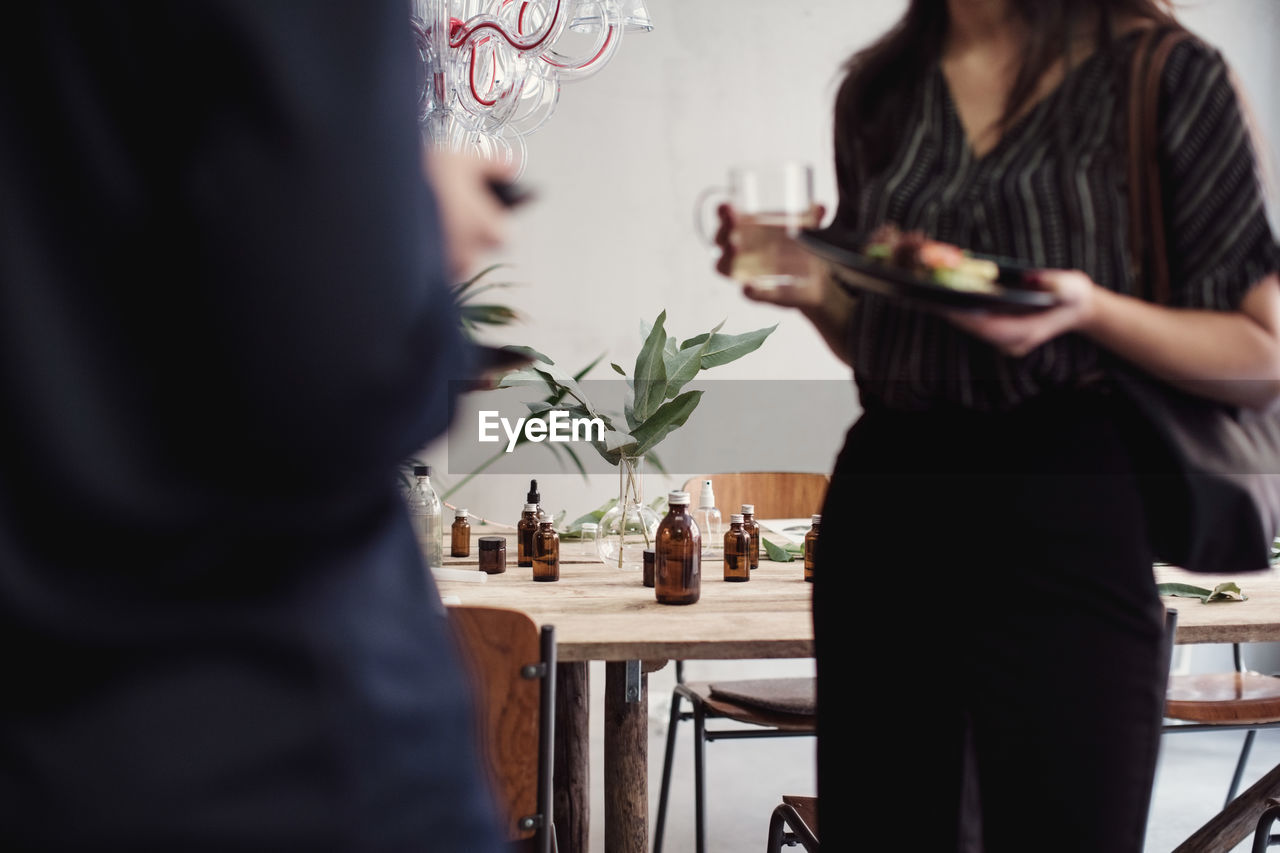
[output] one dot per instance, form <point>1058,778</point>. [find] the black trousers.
<point>985,604</point>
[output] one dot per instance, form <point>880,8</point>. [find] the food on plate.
<point>940,263</point>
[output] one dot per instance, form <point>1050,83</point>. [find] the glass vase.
<point>629,527</point>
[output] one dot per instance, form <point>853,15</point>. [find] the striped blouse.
<point>1051,194</point>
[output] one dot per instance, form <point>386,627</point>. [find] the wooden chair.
<point>772,707</point>
<point>794,821</point>
<point>1224,701</point>
<point>512,668</point>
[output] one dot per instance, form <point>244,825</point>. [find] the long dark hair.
<point>871,105</point>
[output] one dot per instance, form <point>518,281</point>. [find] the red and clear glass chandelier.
<point>492,69</point>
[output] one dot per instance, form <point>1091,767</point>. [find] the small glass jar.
<point>750,525</point>
<point>546,552</point>
<point>677,562</point>
<point>587,543</point>
<point>460,535</point>
<point>493,554</point>
<point>648,567</point>
<point>737,551</point>
<point>811,546</point>
<point>526,527</point>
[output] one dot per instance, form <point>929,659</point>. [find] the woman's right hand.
<point>807,294</point>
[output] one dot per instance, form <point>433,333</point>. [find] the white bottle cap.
<point>678,498</point>
<point>707,498</point>
<point>735,518</point>
<point>816,518</point>
<point>748,509</point>
<point>530,507</point>
<point>459,513</point>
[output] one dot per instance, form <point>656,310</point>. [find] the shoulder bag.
<point>1214,494</point>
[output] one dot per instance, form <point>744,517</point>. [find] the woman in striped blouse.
<point>1031,718</point>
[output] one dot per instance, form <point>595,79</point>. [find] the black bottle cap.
<point>422,470</point>
<point>493,543</point>
<point>533,497</point>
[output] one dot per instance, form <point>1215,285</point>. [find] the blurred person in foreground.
<point>225,319</point>
<point>987,479</point>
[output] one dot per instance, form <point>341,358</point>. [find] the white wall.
<point>610,239</point>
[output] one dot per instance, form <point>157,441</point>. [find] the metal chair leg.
<point>665,791</point>
<point>1244,758</point>
<point>699,773</point>
<point>1262,837</point>
<point>777,827</point>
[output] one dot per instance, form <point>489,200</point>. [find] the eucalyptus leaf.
<point>667,417</point>
<point>777,553</point>
<point>650,372</point>
<point>539,407</point>
<point>1222,592</point>
<point>685,363</point>
<point>488,315</point>
<point>528,352</point>
<point>577,377</point>
<point>722,349</point>
<point>617,369</point>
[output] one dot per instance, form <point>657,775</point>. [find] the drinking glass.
<point>771,202</point>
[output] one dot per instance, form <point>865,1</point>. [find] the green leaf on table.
<point>650,372</point>
<point>777,553</point>
<point>722,349</point>
<point>575,526</point>
<point>1227,591</point>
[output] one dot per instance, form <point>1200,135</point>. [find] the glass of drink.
<point>771,203</point>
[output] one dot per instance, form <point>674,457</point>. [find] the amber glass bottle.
<point>753,530</point>
<point>546,552</point>
<point>525,528</point>
<point>810,545</point>
<point>737,548</point>
<point>460,534</point>
<point>677,563</point>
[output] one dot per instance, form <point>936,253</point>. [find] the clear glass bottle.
<point>526,527</point>
<point>753,530</point>
<point>707,516</point>
<point>737,551</point>
<point>460,534</point>
<point>546,552</point>
<point>677,564</point>
<point>810,546</point>
<point>587,541</point>
<point>425,509</point>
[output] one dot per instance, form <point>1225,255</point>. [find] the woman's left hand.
<point>1019,334</point>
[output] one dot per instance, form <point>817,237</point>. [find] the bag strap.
<point>1147,246</point>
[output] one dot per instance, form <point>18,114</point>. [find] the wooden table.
<point>606,614</point>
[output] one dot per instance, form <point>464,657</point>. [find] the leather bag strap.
<point>1147,244</point>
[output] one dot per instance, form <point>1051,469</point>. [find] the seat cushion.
<point>784,695</point>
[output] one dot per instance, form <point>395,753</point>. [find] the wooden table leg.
<point>571,801</point>
<point>1236,822</point>
<point>626,758</point>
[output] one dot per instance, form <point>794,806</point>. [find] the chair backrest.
<point>511,664</point>
<point>775,494</point>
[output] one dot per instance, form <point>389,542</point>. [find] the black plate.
<point>856,272</point>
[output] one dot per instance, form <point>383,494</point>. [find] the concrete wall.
<point>611,239</point>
